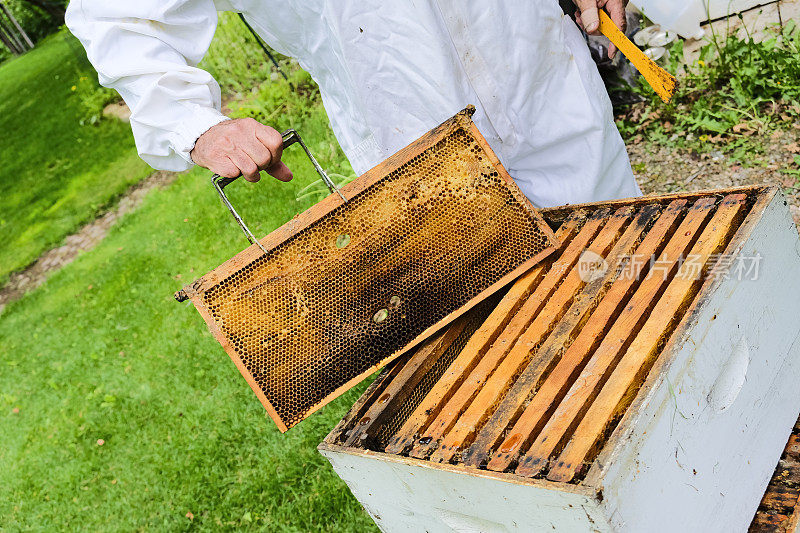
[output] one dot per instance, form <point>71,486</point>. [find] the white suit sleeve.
<point>148,51</point>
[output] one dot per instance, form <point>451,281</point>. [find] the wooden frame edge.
<point>328,205</point>
<point>218,335</point>
<point>579,490</point>
<point>331,202</point>
<point>556,212</point>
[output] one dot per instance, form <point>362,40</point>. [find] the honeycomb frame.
<point>348,287</point>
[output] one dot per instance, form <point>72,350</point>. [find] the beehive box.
<point>642,379</point>
<point>779,510</point>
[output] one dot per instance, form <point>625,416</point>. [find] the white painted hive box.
<point>643,379</point>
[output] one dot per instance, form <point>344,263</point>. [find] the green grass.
<point>102,351</point>
<point>61,163</point>
<point>56,174</point>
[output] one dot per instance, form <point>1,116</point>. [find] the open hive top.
<point>347,287</point>
<point>534,382</point>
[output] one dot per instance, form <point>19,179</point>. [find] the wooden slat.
<point>779,509</point>
<point>479,343</point>
<point>549,351</point>
<point>469,388</point>
<point>373,392</point>
<point>403,385</point>
<point>622,384</point>
<point>571,363</point>
<point>498,383</point>
<point>759,192</point>
<point>584,389</point>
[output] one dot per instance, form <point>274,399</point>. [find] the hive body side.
<point>696,452</point>
<point>403,495</point>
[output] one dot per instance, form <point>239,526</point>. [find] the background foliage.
<point>39,18</point>
<point>738,90</point>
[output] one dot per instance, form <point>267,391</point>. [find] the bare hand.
<point>241,147</point>
<point>589,20</point>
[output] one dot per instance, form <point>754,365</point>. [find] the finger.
<point>246,165</point>
<point>612,51</point>
<point>257,152</point>
<point>280,171</point>
<point>589,16</point>
<point>226,169</point>
<point>616,10</point>
<point>272,141</point>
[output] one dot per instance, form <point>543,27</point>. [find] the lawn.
<point>56,174</point>
<point>118,410</point>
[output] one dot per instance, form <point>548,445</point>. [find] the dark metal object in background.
<point>266,50</point>
<point>17,41</point>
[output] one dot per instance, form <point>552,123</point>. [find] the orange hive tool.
<point>662,82</point>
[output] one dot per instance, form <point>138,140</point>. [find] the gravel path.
<point>87,238</point>
<point>662,170</point>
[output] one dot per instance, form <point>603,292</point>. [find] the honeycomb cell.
<point>356,287</point>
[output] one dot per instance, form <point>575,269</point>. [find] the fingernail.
<point>592,27</point>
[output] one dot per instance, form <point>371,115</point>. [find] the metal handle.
<point>290,137</point>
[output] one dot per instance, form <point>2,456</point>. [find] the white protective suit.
<point>388,71</point>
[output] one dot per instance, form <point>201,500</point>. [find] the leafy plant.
<point>737,90</point>
<point>236,60</point>
<point>93,98</point>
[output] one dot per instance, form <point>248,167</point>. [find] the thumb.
<point>280,171</point>
<point>589,15</point>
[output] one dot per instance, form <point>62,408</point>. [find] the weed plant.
<point>738,91</point>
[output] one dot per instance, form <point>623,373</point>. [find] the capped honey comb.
<point>347,286</point>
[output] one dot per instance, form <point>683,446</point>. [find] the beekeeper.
<point>387,72</point>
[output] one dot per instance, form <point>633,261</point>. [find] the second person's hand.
<point>588,18</point>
